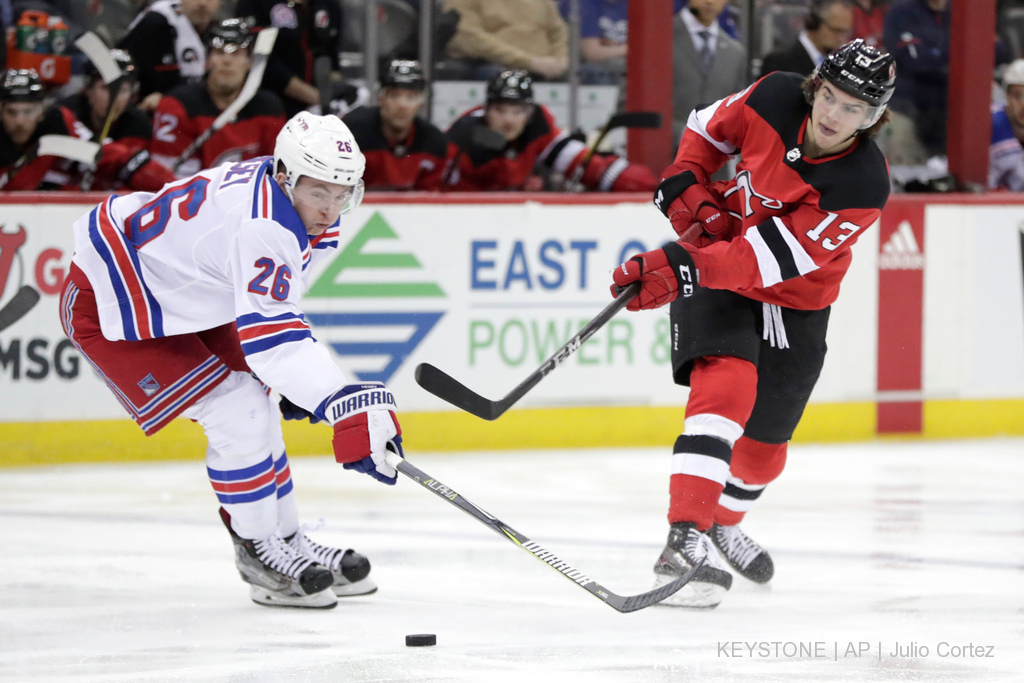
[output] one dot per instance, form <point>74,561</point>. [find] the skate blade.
<point>348,590</point>
<point>694,595</point>
<point>325,599</point>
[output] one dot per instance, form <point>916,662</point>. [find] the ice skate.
<point>278,576</point>
<point>750,560</point>
<point>684,549</point>
<point>349,569</point>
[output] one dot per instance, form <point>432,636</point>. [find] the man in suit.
<point>707,63</point>
<point>829,24</point>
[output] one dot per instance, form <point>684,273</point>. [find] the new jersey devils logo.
<point>26,296</point>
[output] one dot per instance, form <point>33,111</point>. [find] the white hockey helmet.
<point>322,148</point>
<point>1014,74</point>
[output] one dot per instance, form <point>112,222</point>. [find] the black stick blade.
<point>20,304</point>
<point>446,387</point>
<point>633,603</point>
<point>635,119</point>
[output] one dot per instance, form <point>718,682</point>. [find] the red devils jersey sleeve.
<point>187,111</point>
<point>414,164</point>
<point>799,216</point>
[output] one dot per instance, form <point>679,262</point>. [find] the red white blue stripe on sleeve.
<point>244,485</point>
<point>141,316</point>
<point>259,333</point>
<point>270,202</point>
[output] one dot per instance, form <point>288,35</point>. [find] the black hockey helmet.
<point>123,60</point>
<point>21,85</point>
<point>404,73</point>
<point>231,34</point>
<point>511,86</point>
<point>860,70</point>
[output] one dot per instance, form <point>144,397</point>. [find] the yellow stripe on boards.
<point>25,444</point>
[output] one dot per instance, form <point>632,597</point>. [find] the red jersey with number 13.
<point>795,219</point>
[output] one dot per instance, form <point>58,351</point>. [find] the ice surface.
<point>124,573</point>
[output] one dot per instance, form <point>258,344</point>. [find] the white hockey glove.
<point>365,427</point>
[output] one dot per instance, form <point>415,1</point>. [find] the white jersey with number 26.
<point>225,244</point>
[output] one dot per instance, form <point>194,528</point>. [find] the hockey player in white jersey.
<point>183,298</point>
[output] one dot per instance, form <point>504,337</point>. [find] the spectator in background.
<point>917,35</point>
<point>726,20</point>
<point>603,34</point>
<point>24,118</point>
<point>308,30</point>
<point>707,63</point>
<point>829,24</point>
<point>1006,154</point>
<point>189,110</point>
<point>125,162</point>
<point>869,20</point>
<point>492,36</point>
<point>403,150</point>
<point>166,42</point>
<point>521,144</point>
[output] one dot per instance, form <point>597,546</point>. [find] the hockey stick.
<point>261,53</point>
<point>622,603</point>
<point>64,146</point>
<point>99,54</point>
<point>20,304</point>
<point>322,81</point>
<point>448,388</point>
<point>622,119</point>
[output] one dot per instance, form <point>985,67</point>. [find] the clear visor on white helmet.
<point>320,148</point>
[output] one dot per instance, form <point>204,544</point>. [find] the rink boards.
<point>927,337</point>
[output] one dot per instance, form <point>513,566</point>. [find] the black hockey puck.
<point>421,639</point>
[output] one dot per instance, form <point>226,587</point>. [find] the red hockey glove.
<point>663,273</point>
<point>365,427</point>
<point>635,178</point>
<point>684,200</point>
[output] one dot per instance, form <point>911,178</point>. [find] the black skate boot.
<point>350,569</point>
<point>686,546</point>
<point>277,575</point>
<point>750,560</point>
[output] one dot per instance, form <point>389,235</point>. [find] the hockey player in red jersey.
<point>403,150</point>
<point>25,118</point>
<point>751,280</point>
<point>188,110</point>
<point>182,299</point>
<point>125,162</point>
<point>533,146</point>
